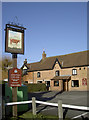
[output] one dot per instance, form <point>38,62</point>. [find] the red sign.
<point>84,81</point>
<point>14,77</point>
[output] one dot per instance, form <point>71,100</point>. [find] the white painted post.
<point>33,106</point>
<point>60,110</point>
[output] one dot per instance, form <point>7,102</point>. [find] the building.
<point>63,73</point>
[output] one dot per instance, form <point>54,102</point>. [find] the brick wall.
<point>49,74</point>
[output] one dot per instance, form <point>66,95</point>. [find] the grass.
<point>29,116</point>
<point>38,116</point>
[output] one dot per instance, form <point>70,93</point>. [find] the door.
<point>47,84</point>
<point>64,85</point>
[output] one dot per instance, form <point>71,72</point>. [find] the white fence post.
<point>60,110</point>
<point>33,105</point>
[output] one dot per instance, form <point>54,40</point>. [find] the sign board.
<point>14,40</point>
<point>14,77</point>
<point>84,81</point>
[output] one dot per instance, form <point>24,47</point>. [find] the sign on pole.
<point>14,39</point>
<point>14,77</point>
<point>14,43</point>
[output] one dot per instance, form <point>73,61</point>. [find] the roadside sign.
<point>14,44</point>
<point>14,77</point>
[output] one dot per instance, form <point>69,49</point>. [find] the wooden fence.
<point>59,105</point>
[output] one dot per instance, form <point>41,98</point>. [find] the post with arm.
<point>14,89</point>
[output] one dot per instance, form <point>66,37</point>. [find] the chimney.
<point>25,62</point>
<point>43,55</point>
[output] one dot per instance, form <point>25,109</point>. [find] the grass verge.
<point>30,116</point>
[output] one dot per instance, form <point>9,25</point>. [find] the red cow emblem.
<point>14,41</point>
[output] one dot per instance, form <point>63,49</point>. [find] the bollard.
<point>60,110</point>
<point>33,106</point>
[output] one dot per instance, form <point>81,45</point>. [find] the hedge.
<point>34,87</point>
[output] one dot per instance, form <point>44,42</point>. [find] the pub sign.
<point>14,40</point>
<point>14,77</point>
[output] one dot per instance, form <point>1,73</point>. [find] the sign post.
<point>14,44</point>
<point>14,89</point>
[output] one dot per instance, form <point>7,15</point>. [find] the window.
<point>38,74</point>
<point>24,71</point>
<point>56,83</point>
<point>57,73</point>
<point>39,81</point>
<point>75,83</point>
<point>47,83</point>
<point>74,72</point>
<point>84,68</point>
<point>79,68</point>
<point>26,81</point>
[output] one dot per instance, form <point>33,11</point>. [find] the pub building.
<point>60,73</point>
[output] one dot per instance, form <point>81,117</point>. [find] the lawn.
<point>37,117</point>
<point>29,116</point>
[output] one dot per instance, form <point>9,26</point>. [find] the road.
<point>79,98</point>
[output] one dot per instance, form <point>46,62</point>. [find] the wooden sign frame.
<point>14,40</point>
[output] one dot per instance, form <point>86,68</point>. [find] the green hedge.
<point>36,87</point>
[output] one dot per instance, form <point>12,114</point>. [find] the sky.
<point>58,27</point>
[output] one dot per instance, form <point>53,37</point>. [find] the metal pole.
<point>14,89</point>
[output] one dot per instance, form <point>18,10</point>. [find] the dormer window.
<point>24,70</point>
<point>74,72</point>
<point>57,73</point>
<point>38,74</point>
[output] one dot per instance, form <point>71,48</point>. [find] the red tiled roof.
<point>65,61</point>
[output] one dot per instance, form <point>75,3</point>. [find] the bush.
<point>36,87</point>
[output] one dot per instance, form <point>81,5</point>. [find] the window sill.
<point>74,74</point>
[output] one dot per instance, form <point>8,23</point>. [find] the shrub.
<point>36,87</point>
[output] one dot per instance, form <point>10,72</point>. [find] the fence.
<point>59,105</point>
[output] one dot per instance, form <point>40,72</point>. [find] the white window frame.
<point>39,75</point>
<point>57,73</point>
<point>56,85</point>
<point>74,71</point>
<point>39,81</point>
<point>73,85</point>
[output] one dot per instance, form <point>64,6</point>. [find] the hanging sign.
<point>84,81</point>
<point>14,40</point>
<point>14,77</point>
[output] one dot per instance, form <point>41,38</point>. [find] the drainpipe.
<point>33,77</point>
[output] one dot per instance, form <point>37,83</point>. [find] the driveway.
<point>79,98</point>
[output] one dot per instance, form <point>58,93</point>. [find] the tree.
<point>5,65</point>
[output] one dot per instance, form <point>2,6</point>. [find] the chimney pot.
<point>43,55</point>
<point>25,62</point>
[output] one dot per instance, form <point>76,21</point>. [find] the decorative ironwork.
<point>15,22</point>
